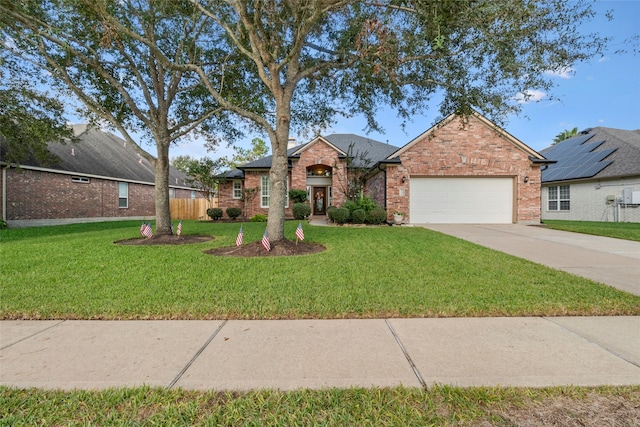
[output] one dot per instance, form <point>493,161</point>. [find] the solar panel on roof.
<point>575,159</point>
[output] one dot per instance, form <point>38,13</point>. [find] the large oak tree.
<point>283,65</point>
<point>310,60</point>
<point>120,80</point>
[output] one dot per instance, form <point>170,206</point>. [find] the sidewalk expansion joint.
<point>32,335</point>
<point>608,350</point>
<point>195,356</point>
<point>406,354</point>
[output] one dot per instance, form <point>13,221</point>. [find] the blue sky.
<point>602,92</point>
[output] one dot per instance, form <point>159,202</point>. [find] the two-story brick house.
<point>458,171</point>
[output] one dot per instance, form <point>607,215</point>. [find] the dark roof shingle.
<point>595,153</point>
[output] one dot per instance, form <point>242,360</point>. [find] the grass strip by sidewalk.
<point>77,272</point>
<point>618,230</point>
<point>437,405</point>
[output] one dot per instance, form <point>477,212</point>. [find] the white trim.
<point>262,193</point>
<point>233,189</point>
<point>120,195</point>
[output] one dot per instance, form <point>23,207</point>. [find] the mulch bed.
<point>253,249</point>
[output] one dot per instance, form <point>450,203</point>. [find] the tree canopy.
<point>282,65</point>
<point>565,134</point>
<point>307,62</point>
<point>93,52</point>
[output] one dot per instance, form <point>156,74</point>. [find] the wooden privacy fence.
<point>189,208</point>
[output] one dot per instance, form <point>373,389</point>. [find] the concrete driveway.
<point>614,262</point>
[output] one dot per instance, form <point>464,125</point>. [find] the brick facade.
<point>469,149</point>
<point>452,149</point>
<point>35,194</point>
<point>41,195</point>
<point>317,156</point>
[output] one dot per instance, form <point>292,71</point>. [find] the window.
<point>265,192</point>
<point>193,194</point>
<point>81,179</point>
<point>172,193</point>
<point>123,195</point>
<point>330,199</point>
<point>265,195</point>
<point>559,198</point>
<point>237,189</point>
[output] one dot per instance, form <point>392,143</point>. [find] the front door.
<point>319,200</point>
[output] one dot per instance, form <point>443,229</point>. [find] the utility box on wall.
<point>630,197</point>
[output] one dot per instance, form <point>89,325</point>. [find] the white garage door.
<point>461,200</point>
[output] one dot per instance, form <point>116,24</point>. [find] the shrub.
<point>350,205</point>
<point>259,218</point>
<point>358,216</point>
<point>341,215</point>
<point>367,204</point>
<point>298,196</point>
<point>301,210</point>
<point>234,213</point>
<point>330,210</point>
<point>214,213</point>
<point>377,216</point>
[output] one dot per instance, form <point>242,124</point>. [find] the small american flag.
<point>265,241</point>
<point>179,228</point>
<point>240,237</point>
<point>148,232</point>
<point>142,227</point>
<point>300,231</point>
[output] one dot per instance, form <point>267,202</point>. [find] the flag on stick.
<point>147,232</point>
<point>240,237</point>
<point>265,241</point>
<point>299,232</point>
<point>179,228</point>
<point>142,227</point>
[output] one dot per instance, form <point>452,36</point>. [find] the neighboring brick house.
<point>99,178</point>
<point>456,172</point>
<point>596,177</point>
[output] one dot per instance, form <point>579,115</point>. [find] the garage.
<point>460,200</point>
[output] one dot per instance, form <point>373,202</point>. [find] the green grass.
<point>438,405</point>
<point>619,230</point>
<point>77,272</point>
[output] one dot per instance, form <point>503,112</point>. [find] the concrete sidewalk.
<point>614,262</point>
<point>283,354</point>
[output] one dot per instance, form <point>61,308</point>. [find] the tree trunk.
<point>279,173</point>
<point>163,212</point>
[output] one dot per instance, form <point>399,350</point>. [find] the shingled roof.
<point>101,154</point>
<point>597,153</point>
<point>359,147</point>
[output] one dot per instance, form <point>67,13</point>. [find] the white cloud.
<point>603,59</point>
<point>530,96</point>
<point>563,73</point>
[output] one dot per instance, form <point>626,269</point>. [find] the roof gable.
<point>362,149</point>
<point>481,119</point>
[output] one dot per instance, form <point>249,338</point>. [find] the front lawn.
<point>619,230</point>
<point>77,272</point>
